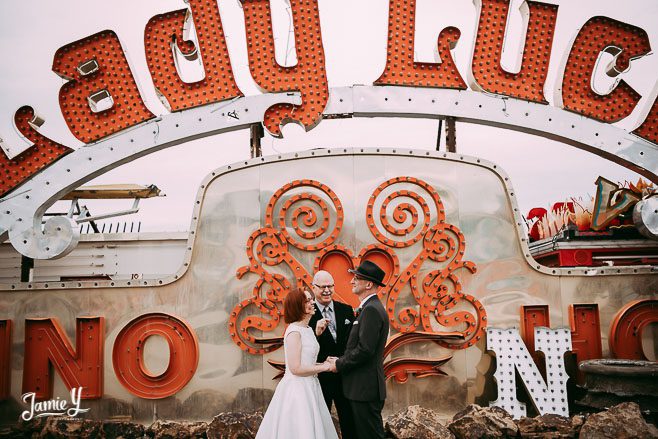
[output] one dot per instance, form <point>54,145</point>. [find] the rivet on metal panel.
<point>528,83</point>
<point>595,36</point>
<point>112,75</point>
<point>47,345</point>
<point>308,76</point>
<point>15,171</point>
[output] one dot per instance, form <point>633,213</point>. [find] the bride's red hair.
<point>293,306</point>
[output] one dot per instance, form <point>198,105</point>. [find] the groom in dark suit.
<point>362,365</point>
<point>332,322</point>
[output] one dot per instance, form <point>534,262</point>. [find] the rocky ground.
<point>619,422</point>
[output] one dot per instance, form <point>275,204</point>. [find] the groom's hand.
<point>332,364</point>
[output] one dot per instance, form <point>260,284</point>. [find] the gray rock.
<point>235,425</point>
<point>121,430</point>
<point>550,427</point>
<point>70,428</point>
<point>176,430</point>
<point>483,422</point>
<point>619,422</point>
<point>416,422</point>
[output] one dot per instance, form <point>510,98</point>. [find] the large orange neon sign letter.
<point>624,42</point>
<point>44,151</point>
<point>400,66</point>
<point>309,76</point>
<point>46,345</point>
<point>101,97</point>
<point>528,83</point>
<point>626,329</point>
<point>164,36</point>
<point>128,355</point>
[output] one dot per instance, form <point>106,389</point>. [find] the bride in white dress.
<point>297,409</point>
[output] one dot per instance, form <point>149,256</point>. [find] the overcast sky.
<point>354,37</point>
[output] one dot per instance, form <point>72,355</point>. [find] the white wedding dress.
<point>297,409</point>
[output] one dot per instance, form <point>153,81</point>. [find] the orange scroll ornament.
<point>308,216</point>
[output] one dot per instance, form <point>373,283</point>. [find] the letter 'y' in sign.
<point>512,353</point>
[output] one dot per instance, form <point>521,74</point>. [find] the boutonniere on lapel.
<point>357,312</point>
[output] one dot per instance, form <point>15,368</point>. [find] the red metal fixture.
<point>627,326</point>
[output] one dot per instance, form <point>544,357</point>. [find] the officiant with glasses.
<point>332,322</point>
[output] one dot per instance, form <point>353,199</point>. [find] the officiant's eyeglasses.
<point>324,287</point>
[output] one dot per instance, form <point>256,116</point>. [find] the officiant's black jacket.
<point>344,319</point>
<point>362,365</point>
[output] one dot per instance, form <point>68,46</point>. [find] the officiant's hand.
<point>320,326</point>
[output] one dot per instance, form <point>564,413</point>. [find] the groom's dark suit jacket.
<point>362,365</point>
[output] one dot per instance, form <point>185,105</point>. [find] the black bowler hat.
<point>370,271</point>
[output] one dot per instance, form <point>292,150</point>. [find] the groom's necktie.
<point>326,313</point>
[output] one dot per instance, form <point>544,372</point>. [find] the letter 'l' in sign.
<point>512,353</point>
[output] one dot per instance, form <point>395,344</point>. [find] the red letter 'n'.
<point>46,345</point>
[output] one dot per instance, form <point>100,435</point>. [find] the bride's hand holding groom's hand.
<point>331,361</point>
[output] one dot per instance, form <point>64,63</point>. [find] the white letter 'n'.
<point>512,353</point>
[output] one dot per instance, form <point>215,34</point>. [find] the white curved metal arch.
<point>22,210</point>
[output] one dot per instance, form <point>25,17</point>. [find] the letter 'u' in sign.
<point>512,353</point>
